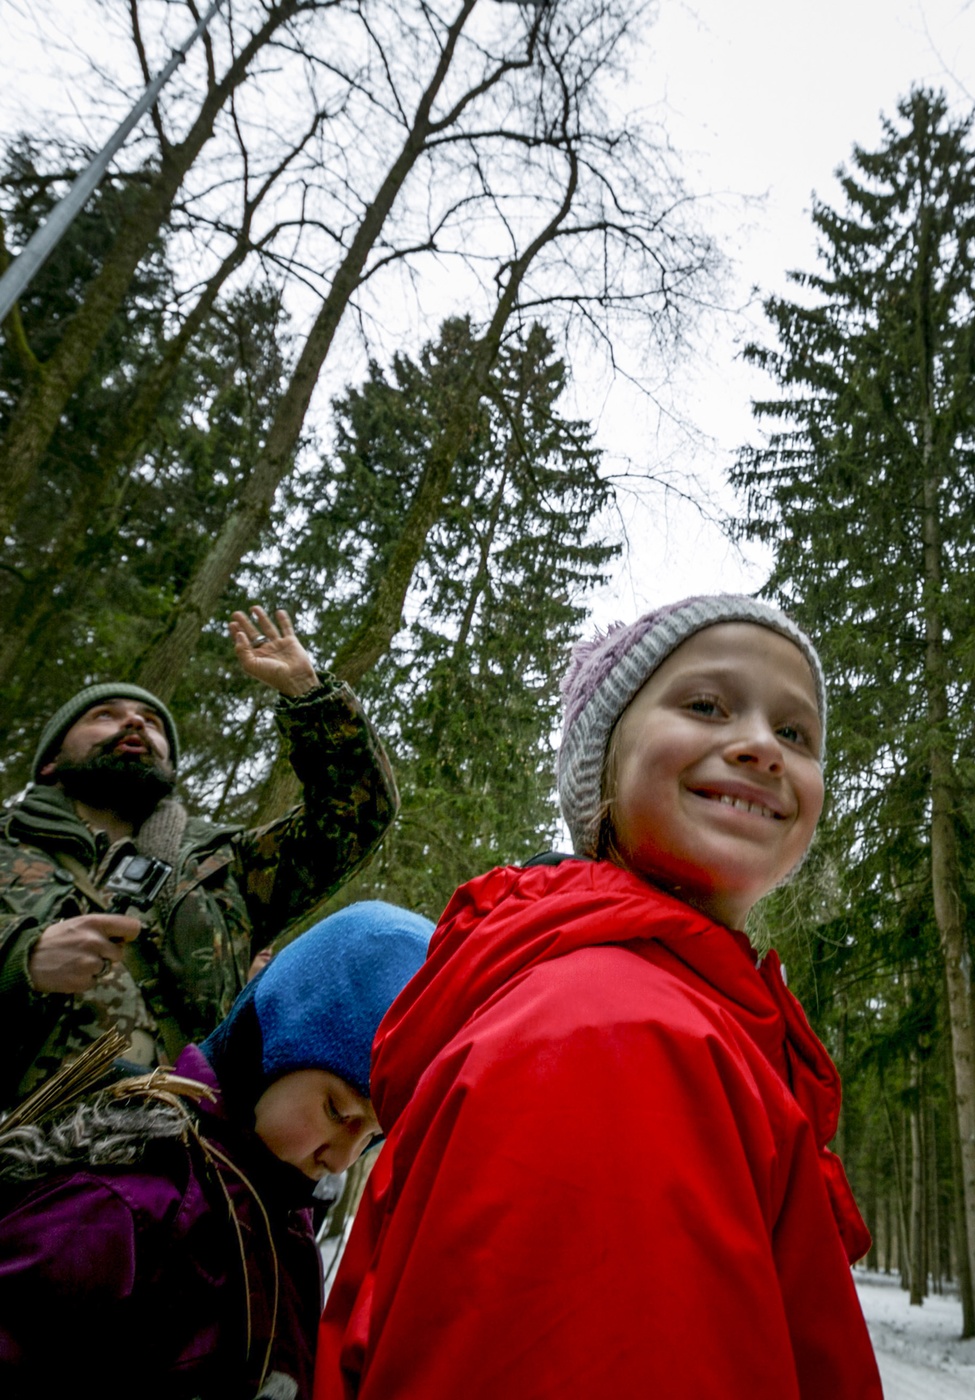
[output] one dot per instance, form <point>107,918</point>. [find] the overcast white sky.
<point>764,98</point>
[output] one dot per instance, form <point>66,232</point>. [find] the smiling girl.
<point>607,1171</point>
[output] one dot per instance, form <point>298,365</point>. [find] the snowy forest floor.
<point>918,1349</point>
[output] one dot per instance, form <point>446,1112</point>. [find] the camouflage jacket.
<point>234,891</point>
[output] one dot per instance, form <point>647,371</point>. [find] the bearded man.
<point>71,966</point>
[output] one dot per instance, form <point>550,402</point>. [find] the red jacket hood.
<point>497,927</point>
<point>655,1140</point>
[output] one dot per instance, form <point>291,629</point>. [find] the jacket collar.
<point>46,812</point>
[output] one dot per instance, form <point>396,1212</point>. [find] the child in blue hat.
<point>174,1214</point>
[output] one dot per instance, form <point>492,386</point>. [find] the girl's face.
<point>315,1121</point>
<point>715,776</point>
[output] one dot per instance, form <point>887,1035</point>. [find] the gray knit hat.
<point>605,674</point>
<point>73,709</point>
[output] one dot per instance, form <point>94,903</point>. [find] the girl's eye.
<point>792,734</point>
<point>707,705</point>
<point>336,1116</point>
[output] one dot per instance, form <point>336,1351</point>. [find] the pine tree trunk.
<point>871,1203</point>
<point>935,1233</point>
<point>945,871</point>
<point>916,1216</point>
<point>897,1157</point>
<point>840,1139</point>
<point>966,1279</point>
<point>904,1250</point>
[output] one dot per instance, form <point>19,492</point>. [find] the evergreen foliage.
<point>467,696</point>
<point>94,562</point>
<point>864,489</point>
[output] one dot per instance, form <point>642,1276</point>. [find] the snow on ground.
<point>918,1349</point>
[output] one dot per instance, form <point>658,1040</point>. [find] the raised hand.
<point>271,653</point>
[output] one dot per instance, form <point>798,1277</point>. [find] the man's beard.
<point>130,785</point>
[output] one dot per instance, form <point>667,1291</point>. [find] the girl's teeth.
<point>744,806</point>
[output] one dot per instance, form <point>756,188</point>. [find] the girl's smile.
<point>714,771</point>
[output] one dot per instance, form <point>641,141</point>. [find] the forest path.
<point>918,1350</point>
<point>904,1380</point>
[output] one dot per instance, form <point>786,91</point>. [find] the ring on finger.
<point>105,969</point>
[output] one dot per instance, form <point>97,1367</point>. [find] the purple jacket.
<point>127,1280</point>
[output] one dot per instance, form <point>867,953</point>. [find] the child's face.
<point>718,784</point>
<point>315,1121</point>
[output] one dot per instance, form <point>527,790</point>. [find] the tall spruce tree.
<point>864,489</point>
<point>467,694</point>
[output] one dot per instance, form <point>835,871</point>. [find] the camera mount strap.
<point>137,964</point>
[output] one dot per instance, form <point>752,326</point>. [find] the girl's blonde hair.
<point>606,848</point>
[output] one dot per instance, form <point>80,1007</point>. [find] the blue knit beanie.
<point>318,1003</point>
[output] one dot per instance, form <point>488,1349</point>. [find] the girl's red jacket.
<point>606,1173</point>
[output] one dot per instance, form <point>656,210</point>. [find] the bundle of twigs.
<point>73,1079</point>
<point>79,1076</point>
<point>161,1084</point>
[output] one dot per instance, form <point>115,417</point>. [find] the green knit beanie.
<point>73,709</point>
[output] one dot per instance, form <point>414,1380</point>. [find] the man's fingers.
<point>264,622</point>
<point>242,628</point>
<point>116,928</point>
<point>251,631</point>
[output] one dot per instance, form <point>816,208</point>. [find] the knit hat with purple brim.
<point>605,674</point>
